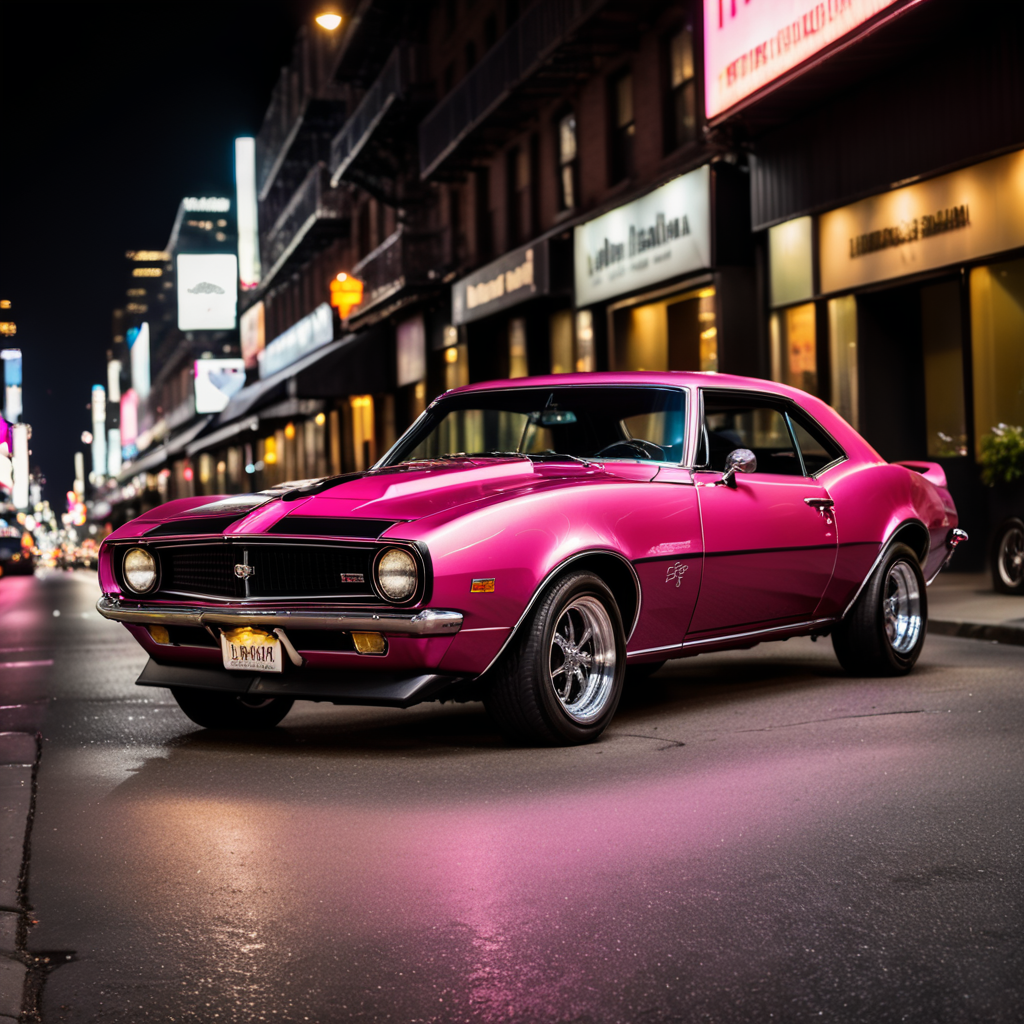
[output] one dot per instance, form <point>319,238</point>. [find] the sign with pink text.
<point>748,44</point>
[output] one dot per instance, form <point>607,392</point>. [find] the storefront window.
<point>567,161</point>
<point>623,127</point>
<point>842,346</point>
<point>682,122</point>
<point>586,353</point>
<point>794,347</point>
<point>942,348</point>
<point>517,364</point>
<point>363,447</point>
<point>997,346</point>
<point>560,332</point>
<point>456,366</point>
<point>791,261</point>
<point>675,333</point>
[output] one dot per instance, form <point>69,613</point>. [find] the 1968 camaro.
<point>535,544</point>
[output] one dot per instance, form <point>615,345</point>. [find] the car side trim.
<point>547,579</point>
<point>727,637</point>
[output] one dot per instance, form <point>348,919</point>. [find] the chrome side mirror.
<point>740,460</point>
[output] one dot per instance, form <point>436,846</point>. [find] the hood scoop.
<point>330,526</point>
<point>187,527</point>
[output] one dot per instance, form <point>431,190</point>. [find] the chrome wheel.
<point>581,659</point>
<point>1010,557</point>
<point>901,607</point>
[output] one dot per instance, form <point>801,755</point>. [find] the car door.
<point>770,540</point>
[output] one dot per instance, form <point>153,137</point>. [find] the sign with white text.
<point>936,223</point>
<point>517,276</point>
<point>750,43</point>
<point>658,236</point>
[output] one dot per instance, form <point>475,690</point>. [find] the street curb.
<point>1002,633</point>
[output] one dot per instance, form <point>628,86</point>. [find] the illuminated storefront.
<point>905,310</point>
<point>647,287</point>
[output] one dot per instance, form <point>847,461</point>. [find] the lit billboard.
<point>217,380</point>
<point>207,291</point>
<point>247,213</point>
<point>252,329</point>
<point>138,352</point>
<point>750,44</point>
<point>308,334</point>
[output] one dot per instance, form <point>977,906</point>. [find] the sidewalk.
<point>964,604</point>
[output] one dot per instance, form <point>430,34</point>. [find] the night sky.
<point>111,113</point>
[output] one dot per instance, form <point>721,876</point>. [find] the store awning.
<point>222,436</point>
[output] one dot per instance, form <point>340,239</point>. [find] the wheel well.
<point>620,579</point>
<point>916,537</point>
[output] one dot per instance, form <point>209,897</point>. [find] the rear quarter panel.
<point>872,501</point>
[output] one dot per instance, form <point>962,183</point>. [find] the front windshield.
<point>634,423</point>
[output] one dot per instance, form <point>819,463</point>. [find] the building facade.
<point>464,190</point>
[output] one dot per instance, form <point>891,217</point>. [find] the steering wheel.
<point>632,449</point>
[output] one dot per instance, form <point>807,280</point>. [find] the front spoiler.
<point>428,622</point>
<point>377,689</point>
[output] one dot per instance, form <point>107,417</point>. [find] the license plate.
<point>250,650</point>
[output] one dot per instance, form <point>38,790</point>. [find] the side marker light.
<point>482,587</point>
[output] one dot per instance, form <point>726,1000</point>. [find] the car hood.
<point>383,497</point>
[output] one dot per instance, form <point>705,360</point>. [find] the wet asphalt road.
<point>757,838</point>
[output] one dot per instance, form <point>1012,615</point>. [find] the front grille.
<point>278,570</point>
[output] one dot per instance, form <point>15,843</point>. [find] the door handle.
<point>824,507</point>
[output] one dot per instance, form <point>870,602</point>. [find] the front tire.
<point>883,633</point>
<point>1008,558</point>
<point>215,710</point>
<point>560,680</point>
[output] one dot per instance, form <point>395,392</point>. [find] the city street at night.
<point>512,512</point>
<point>755,837</point>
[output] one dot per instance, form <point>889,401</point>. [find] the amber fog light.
<point>139,570</point>
<point>369,643</point>
<point>159,634</point>
<point>397,574</point>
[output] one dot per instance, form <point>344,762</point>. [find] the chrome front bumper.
<point>426,622</point>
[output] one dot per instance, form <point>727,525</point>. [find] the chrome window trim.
<point>682,388</point>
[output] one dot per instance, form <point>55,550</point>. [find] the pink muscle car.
<point>534,544</point>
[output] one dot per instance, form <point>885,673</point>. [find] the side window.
<point>734,421</point>
<point>817,448</point>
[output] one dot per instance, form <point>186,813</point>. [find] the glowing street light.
<point>328,20</point>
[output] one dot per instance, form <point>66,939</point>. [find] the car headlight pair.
<point>396,572</point>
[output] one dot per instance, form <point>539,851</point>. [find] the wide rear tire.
<point>215,710</point>
<point>560,680</point>
<point>883,633</point>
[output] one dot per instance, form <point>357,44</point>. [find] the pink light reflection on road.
<point>507,881</point>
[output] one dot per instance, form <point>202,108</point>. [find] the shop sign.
<point>748,45</point>
<point>303,337</point>
<point>519,275</point>
<point>661,235</point>
<point>937,223</point>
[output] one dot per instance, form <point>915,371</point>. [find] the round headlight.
<point>139,570</point>
<point>397,575</point>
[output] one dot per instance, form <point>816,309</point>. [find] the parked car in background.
<point>1008,556</point>
<point>528,541</point>
<point>15,558</point>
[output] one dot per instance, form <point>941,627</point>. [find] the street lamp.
<point>329,20</point>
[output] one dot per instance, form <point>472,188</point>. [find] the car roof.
<point>845,434</point>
